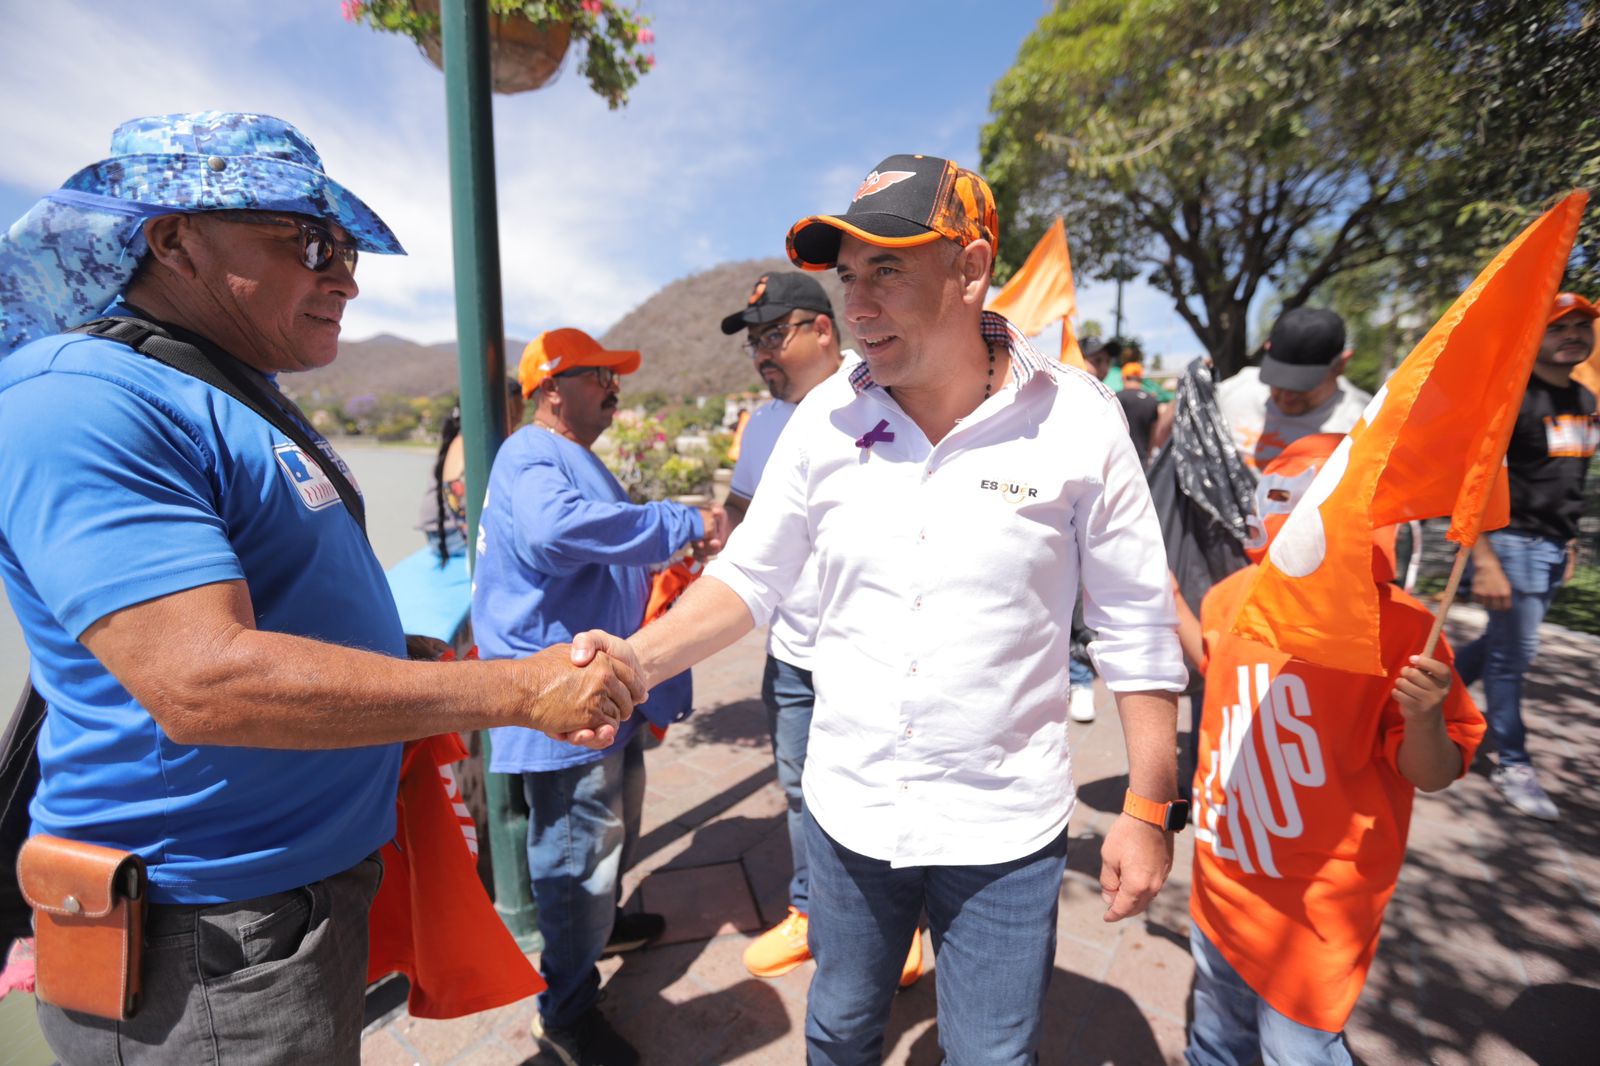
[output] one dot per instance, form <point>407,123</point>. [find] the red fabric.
<point>432,919</point>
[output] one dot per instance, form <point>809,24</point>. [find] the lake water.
<point>392,481</point>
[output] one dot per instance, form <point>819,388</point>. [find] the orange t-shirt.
<point>1301,813</point>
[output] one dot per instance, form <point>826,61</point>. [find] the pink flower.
<point>593,7</point>
<point>647,36</point>
<point>647,61</point>
<point>351,9</point>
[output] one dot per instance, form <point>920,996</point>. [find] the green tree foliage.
<point>1232,147</point>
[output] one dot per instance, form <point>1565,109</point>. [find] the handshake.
<point>580,692</point>
<point>717,526</point>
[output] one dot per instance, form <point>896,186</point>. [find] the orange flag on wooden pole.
<point>1432,442</point>
<point>1041,292</point>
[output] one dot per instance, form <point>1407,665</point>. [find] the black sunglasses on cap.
<point>318,245</point>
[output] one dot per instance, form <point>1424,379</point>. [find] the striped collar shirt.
<point>948,574</point>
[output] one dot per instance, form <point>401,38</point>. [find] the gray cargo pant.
<point>276,979</point>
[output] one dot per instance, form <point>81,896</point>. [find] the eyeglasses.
<point>605,375</point>
<point>318,245</point>
<point>774,339</point>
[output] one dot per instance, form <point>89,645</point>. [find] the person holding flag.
<point>1308,750</point>
<point>1302,801</point>
<point>1517,571</point>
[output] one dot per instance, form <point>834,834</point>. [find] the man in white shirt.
<point>794,340</point>
<point>953,489</point>
<point>1299,389</point>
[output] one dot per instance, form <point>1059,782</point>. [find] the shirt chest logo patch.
<point>315,490</point>
<point>1014,492</point>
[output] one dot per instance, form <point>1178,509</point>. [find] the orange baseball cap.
<point>559,350</point>
<point>1568,302</point>
<point>1132,370</point>
<point>906,200</point>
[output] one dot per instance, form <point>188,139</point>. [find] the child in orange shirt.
<point>1302,802</point>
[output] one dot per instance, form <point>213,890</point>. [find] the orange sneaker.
<point>913,968</point>
<point>780,949</point>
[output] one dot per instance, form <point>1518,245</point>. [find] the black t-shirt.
<point>1141,409</point>
<point>1556,434</point>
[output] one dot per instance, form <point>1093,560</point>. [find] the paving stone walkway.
<point>1491,952</point>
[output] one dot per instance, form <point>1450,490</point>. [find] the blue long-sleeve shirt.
<point>561,550</point>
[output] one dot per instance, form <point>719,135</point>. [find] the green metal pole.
<point>480,332</point>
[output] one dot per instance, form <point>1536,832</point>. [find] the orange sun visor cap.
<point>559,350</point>
<point>907,200</point>
<point>1568,302</point>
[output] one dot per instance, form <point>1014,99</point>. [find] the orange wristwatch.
<point>1169,816</point>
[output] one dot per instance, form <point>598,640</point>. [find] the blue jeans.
<point>1079,673</point>
<point>1535,566</point>
<point>1233,1025</point>
<point>268,980</point>
<point>583,823</point>
<point>994,935</point>
<point>790,696</point>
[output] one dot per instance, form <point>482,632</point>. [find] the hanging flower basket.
<point>529,39</point>
<point>522,57</point>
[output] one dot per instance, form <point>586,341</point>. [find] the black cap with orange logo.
<point>906,200</point>
<point>775,295</point>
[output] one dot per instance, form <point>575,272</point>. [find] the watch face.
<point>1177,815</point>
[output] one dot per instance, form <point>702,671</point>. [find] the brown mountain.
<point>677,329</point>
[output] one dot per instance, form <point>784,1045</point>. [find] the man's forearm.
<point>207,676</point>
<point>1150,731</point>
<point>263,689</point>
<point>1483,554</point>
<point>709,617</point>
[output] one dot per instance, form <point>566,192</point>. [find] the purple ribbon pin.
<point>879,432</point>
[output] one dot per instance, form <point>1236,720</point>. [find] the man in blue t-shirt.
<point>224,667</point>
<point>562,550</point>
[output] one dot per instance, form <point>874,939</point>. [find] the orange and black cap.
<point>775,295</point>
<point>907,200</point>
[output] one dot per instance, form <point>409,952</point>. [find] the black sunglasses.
<point>605,375</point>
<point>318,245</point>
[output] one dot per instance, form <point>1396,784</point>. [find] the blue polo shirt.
<point>123,480</point>
<point>561,550</point>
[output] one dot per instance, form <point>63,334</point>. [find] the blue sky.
<point>757,113</point>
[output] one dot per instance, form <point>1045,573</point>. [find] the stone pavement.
<point>1491,952</point>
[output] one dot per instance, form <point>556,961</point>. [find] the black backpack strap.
<point>19,779</point>
<point>199,358</point>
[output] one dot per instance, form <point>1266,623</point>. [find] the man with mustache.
<point>561,550</point>
<point>222,660</point>
<point>794,340</point>
<point>1517,571</point>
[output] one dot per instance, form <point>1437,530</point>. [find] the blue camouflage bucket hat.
<point>74,252</point>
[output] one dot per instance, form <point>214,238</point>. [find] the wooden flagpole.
<point>1447,599</point>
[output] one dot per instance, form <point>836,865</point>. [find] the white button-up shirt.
<point>948,574</point>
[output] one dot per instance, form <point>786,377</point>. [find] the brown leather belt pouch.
<point>88,921</point>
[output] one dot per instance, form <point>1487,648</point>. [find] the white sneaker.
<point>1520,786</point>
<point>1081,703</point>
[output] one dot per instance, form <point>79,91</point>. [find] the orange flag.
<point>1432,442</point>
<point>1042,291</point>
